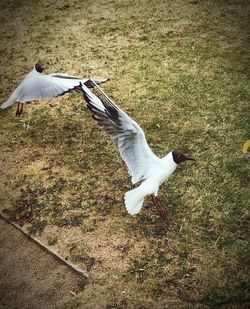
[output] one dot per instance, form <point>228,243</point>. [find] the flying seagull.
<point>37,86</point>
<point>144,166</point>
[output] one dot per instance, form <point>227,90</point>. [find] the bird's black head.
<point>39,67</point>
<point>180,157</point>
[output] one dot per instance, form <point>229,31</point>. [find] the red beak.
<point>190,158</point>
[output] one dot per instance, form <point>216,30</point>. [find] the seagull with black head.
<point>38,86</point>
<point>144,166</point>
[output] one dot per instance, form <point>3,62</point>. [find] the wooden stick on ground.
<point>46,248</point>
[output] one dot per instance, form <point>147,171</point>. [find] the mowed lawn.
<point>181,70</point>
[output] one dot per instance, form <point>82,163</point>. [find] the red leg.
<point>19,109</point>
<point>161,211</point>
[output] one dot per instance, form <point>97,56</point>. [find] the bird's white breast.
<point>161,173</point>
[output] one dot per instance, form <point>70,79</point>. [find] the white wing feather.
<point>36,86</point>
<point>44,87</point>
<point>125,132</point>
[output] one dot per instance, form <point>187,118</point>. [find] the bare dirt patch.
<point>30,278</point>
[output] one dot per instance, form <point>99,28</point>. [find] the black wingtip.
<point>89,83</point>
<point>106,101</point>
<point>111,109</point>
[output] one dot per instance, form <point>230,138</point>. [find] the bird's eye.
<point>179,156</point>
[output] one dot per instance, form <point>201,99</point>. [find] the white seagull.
<point>37,86</point>
<point>144,166</point>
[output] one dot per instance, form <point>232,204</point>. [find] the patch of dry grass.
<point>180,69</point>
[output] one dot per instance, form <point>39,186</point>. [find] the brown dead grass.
<point>179,69</point>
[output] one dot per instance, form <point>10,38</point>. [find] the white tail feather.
<point>9,102</point>
<point>134,200</point>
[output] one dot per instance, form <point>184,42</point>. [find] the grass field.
<point>181,70</point>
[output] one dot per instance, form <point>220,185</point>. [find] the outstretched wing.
<point>125,132</point>
<point>38,86</point>
<point>87,82</point>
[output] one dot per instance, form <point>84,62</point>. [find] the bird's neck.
<point>34,71</point>
<point>168,161</point>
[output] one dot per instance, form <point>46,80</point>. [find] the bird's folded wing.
<point>125,132</point>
